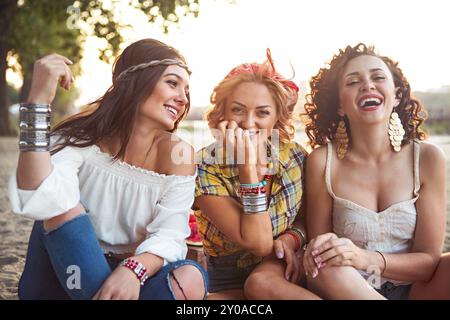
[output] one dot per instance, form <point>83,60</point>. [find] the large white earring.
<point>396,131</point>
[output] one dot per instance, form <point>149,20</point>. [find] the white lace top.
<point>132,210</point>
<point>391,230</point>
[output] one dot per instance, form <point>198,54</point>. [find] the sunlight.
<point>304,34</point>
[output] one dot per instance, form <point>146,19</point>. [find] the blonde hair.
<point>285,99</point>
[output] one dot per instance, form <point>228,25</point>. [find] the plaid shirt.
<point>223,180</point>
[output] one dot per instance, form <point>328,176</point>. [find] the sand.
<point>14,230</point>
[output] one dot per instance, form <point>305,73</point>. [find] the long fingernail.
<point>314,252</point>
<point>288,276</point>
<point>279,254</point>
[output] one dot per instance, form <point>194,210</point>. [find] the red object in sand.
<point>195,238</point>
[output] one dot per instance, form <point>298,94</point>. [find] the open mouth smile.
<point>172,111</point>
<point>370,102</point>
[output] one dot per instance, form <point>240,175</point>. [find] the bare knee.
<point>258,286</point>
<point>330,277</point>
<point>187,283</point>
<point>55,222</point>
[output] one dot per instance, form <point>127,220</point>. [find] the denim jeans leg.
<point>159,287</point>
<point>38,280</point>
<point>77,257</point>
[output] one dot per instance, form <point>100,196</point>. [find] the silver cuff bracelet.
<point>34,125</point>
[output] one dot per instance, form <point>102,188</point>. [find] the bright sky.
<point>304,33</point>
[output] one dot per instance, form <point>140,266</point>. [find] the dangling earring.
<point>396,131</point>
<point>341,139</point>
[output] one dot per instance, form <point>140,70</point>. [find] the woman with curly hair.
<point>376,191</point>
<point>250,186</point>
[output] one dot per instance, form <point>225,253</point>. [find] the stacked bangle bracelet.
<point>253,196</point>
<point>254,203</point>
<point>34,125</point>
<point>298,235</point>
<point>138,268</point>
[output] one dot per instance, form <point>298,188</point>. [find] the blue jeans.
<point>68,263</point>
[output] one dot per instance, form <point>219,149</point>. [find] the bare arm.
<point>34,167</point>
<point>252,232</point>
<point>431,222</point>
<point>318,202</point>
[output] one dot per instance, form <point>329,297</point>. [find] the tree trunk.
<point>7,11</point>
<point>4,112</point>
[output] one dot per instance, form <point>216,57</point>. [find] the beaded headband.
<point>165,62</point>
<point>253,68</point>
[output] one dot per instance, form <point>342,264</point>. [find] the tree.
<point>33,28</point>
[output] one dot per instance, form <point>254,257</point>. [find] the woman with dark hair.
<point>249,191</point>
<point>111,202</point>
<point>376,191</point>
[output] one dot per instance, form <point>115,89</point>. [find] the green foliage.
<point>39,28</point>
<point>101,18</point>
<point>31,29</point>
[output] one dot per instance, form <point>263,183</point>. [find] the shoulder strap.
<point>416,167</point>
<point>328,169</point>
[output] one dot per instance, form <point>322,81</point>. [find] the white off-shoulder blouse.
<point>133,210</point>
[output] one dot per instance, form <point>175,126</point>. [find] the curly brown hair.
<point>285,98</point>
<point>321,108</point>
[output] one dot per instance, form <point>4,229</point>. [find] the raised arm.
<point>35,166</point>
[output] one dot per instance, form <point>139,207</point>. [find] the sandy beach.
<point>14,230</point>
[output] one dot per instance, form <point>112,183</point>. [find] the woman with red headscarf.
<point>249,188</point>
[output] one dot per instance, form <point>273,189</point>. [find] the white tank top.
<point>390,231</point>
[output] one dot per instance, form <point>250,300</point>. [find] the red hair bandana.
<point>253,68</point>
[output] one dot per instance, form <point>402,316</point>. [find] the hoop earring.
<point>341,139</point>
<point>396,131</point>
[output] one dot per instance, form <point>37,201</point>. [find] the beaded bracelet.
<point>298,234</point>
<point>296,239</point>
<point>252,190</point>
<point>301,234</point>
<point>138,268</point>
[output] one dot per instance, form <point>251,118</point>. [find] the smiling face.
<point>366,90</point>
<point>253,108</point>
<point>168,100</point>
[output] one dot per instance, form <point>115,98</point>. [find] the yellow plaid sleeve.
<point>209,182</point>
